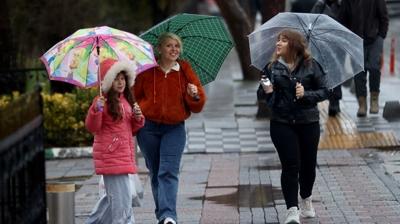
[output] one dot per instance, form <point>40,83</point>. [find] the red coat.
<point>113,146</point>
<point>163,97</point>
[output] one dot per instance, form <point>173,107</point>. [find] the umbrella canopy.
<point>338,50</point>
<point>206,42</point>
<point>76,59</point>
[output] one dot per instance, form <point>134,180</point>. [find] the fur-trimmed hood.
<point>110,68</point>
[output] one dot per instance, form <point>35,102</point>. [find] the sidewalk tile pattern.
<point>245,188</point>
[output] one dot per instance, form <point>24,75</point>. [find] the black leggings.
<point>297,146</point>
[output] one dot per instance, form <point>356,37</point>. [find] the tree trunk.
<point>241,20</point>
<point>268,9</point>
<point>239,26</point>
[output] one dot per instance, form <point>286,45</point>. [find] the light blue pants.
<point>115,207</point>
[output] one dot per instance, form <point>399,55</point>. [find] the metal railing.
<point>22,161</point>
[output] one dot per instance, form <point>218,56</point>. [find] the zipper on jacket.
<point>115,139</point>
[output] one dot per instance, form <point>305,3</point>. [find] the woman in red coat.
<point>167,94</point>
<point>113,119</point>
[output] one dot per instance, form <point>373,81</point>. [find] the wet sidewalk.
<point>245,188</point>
<point>352,186</point>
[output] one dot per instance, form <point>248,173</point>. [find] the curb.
<point>68,153</point>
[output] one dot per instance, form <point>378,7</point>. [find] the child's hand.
<point>100,104</point>
<point>137,112</point>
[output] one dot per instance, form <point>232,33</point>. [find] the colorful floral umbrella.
<point>206,42</point>
<point>76,59</point>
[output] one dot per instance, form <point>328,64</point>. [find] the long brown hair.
<point>113,99</point>
<point>297,46</point>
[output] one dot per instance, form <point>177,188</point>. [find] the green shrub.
<point>6,99</point>
<point>64,118</point>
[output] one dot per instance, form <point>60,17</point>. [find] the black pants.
<point>297,146</point>
<point>372,59</point>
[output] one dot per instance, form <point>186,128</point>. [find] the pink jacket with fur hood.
<point>113,146</point>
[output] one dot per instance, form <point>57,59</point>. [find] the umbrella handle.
<point>98,67</point>
<point>98,78</point>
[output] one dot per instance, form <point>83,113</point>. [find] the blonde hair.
<point>297,46</point>
<point>168,35</point>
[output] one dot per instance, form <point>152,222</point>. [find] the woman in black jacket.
<point>297,85</point>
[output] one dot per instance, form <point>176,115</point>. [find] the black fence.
<point>22,161</point>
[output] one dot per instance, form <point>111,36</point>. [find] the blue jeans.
<point>115,207</point>
<point>162,146</point>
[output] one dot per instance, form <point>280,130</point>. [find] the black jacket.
<point>366,18</point>
<point>284,105</point>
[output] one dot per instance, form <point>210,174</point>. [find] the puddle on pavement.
<point>251,196</point>
<point>258,196</point>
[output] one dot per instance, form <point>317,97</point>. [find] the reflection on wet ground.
<point>250,196</point>
<point>258,196</point>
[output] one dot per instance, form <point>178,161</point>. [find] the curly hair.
<point>113,100</point>
<point>297,46</point>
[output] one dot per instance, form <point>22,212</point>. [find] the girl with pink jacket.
<point>113,119</point>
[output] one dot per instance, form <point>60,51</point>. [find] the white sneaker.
<point>293,216</point>
<point>306,208</point>
<point>169,220</point>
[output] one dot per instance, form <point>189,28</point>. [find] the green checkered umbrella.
<point>206,42</point>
